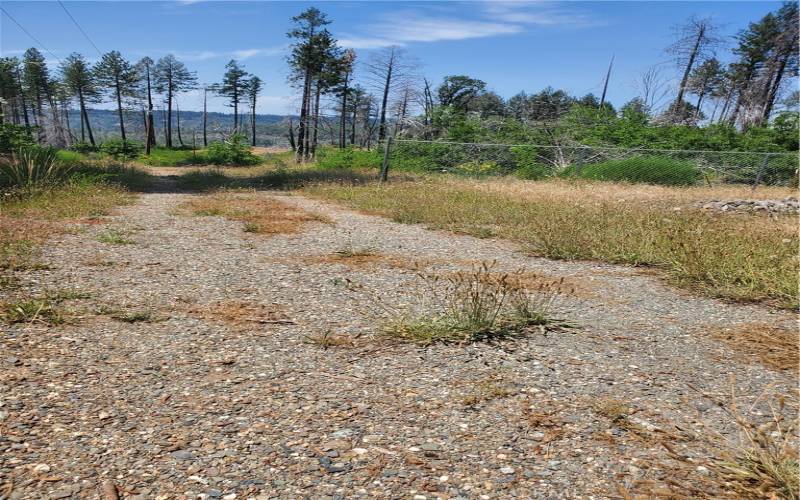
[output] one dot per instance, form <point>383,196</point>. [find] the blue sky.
<point>513,46</point>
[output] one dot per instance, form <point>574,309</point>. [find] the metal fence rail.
<point>534,161</point>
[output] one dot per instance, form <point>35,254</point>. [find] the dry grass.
<point>776,348</point>
<point>26,223</point>
<point>240,313</point>
<point>471,306</point>
<point>329,340</point>
<point>260,214</point>
<point>745,257</point>
<point>494,386</point>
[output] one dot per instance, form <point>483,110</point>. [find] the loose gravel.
<point>214,388</point>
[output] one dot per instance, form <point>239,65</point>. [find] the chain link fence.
<point>653,166</point>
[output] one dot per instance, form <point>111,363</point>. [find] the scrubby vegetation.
<point>643,169</point>
<point>742,257</point>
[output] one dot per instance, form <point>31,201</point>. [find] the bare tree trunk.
<point>253,121</point>
<point>769,101</point>
<point>353,123</point>
<point>85,118</point>
<point>699,103</point>
<point>169,115</point>
<point>291,136</point>
<point>384,102</point>
<point>301,129</point>
<point>205,117</point>
<point>685,80</point>
<point>119,112</point>
<point>605,84</point>
<point>316,121</point>
<point>150,126</point>
<point>343,115</point>
<point>178,116</point>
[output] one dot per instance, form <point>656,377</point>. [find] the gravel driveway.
<point>190,370</point>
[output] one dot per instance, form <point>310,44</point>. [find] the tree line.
<point>33,97</point>
<point>355,103</point>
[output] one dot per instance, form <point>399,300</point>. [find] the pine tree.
<point>145,68</point>
<point>233,87</point>
<point>120,79</point>
<point>171,77</point>
<point>80,82</point>
<point>36,84</point>
<point>704,80</point>
<point>304,60</point>
<point>253,87</point>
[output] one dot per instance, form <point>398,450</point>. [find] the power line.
<point>79,28</point>
<point>29,34</point>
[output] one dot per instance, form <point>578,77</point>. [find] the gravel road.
<point>190,371</point>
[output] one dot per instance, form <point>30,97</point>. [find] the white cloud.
<point>495,19</point>
<point>205,55</point>
<point>405,28</point>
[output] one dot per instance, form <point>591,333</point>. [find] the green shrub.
<point>70,157</point>
<point>13,137</point>
<point>122,150</point>
<point>349,157</point>
<point>527,164</point>
<point>33,167</point>
<point>642,169</point>
<point>83,147</point>
<point>234,151</point>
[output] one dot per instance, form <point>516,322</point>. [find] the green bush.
<point>69,157</point>
<point>13,137</point>
<point>83,147</point>
<point>349,157</point>
<point>234,151</point>
<point>33,167</point>
<point>527,164</point>
<point>642,169</point>
<point>122,150</point>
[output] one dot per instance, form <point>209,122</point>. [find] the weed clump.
<point>479,305</point>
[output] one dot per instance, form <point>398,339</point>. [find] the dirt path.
<point>206,382</point>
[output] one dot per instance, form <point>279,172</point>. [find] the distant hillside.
<point>270,129</point>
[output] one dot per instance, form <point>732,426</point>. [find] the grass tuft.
<point>479,305</point>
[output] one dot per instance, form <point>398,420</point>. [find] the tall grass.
<point>32,167</point>
<point>735,256</point>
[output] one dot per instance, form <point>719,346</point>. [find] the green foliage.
<point>33,167</point>
<point>83,147</point>
<point>349,157</point>
<point>234,151</point>
<point>69,157</point>
<point>13,137</point>
<point>121,150</point>
<point>643,169</point>
<point>172,157</point>
<point>528,165</point>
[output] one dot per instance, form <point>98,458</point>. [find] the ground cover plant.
<point>734,256</point>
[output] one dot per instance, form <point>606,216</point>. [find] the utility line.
<point>80,28</point>
<point>29,34</point>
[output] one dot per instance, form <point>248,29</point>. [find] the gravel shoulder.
<point>191,370</point>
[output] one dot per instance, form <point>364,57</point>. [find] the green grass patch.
<point>115,237</point>
<point>164,157</point>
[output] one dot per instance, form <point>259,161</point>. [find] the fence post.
<point>385,165</point>
<point>760,173</point>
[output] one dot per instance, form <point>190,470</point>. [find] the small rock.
<point>507,470</point>
<point>41,468</point>
<point>182,455</point>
